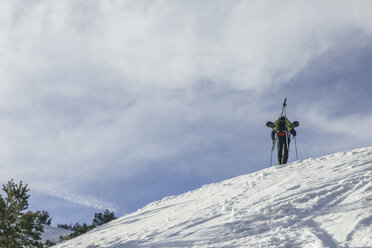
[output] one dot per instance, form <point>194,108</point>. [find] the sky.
<point>115,104</point>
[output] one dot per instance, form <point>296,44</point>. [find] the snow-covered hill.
<point>323,202</point>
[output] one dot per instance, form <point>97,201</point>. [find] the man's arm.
<point>273,134</point>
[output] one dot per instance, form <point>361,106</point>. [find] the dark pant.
<point>283,151</point>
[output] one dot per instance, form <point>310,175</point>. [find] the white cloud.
<point>84,200</point>
<point>353,127</point>
<point>85,88</point>
<point>174,44</point>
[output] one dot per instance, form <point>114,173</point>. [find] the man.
<point>282,131</point>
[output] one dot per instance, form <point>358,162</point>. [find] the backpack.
<point>282,125</point>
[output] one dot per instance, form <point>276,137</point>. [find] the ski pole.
<point>272,149</point>
<point>271,158</point>
<point>295,147</point>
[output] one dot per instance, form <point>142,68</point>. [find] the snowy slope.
<point>323,202</point>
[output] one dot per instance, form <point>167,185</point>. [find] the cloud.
<point>115,87</point>
<point>78,198</point>
<point>240,44</point>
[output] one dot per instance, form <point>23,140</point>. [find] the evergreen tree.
<point>102,218</point>
<point>78,229</point>
<point>65,226</point>
<point>44,218</point>
<point>18,228</point>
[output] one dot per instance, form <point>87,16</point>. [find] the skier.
<point>282,131</point>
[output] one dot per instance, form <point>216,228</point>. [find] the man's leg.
<point>285,156</point>
<point>280,152</point>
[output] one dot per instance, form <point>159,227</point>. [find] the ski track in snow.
<point>323,202</point>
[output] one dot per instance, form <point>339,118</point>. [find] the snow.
<point>322,202</point>
<point>53,233</point>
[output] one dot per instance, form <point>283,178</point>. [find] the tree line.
<point>20,227</point>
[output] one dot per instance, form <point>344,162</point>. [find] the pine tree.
<point>102,218</point>
<point>18,228</point>
<point>44,218</point>
<point>99,219</point>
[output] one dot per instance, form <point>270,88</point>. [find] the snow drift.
<point>322,202</point>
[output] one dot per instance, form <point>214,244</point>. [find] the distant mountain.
<point>320,202</point>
